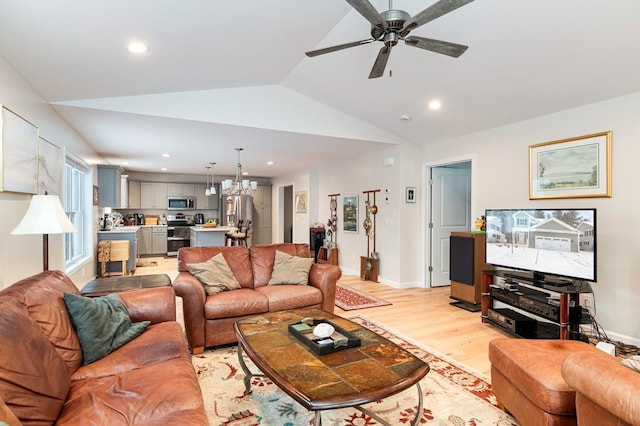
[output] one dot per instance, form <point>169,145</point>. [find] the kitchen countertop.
<point>121,229</point>
<point>216,229</point>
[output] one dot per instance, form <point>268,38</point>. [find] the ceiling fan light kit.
<point>394,25</point>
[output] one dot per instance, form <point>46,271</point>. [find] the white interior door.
<point>450,211</point>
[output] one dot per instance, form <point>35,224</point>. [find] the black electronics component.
<point>513,321</point>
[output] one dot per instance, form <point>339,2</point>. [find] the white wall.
<point>501,180</point>
<point>21,255</point>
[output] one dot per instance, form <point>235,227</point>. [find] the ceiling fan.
<point>394,25</point>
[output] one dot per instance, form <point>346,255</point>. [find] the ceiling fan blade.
<point>434,11</point>
<point>366,9</point>
<point>381,62</point>
<point>438,46</point>
<point>322,51</point>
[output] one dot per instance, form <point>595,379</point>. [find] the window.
<point>77,204</point>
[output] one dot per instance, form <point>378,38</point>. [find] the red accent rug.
<point>453,394</point>
<point>349,299</point>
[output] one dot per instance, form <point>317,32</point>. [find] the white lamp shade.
<point>245,183</point>
<point>254,185</point>
<point>213,190</point>
<point>207,192</point>
<point>45,215</point>
<point>226,184</point>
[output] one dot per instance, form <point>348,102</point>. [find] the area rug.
<point>349,299</point>
<point>453,394</point>
<point>144,264</point>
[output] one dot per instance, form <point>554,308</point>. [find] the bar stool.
<point>241,236</point>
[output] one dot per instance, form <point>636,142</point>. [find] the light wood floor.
<point>423,315</point>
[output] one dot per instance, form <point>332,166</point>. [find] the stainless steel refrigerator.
<point>237,207</point>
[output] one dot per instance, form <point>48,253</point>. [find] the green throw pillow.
<point>102,324</point>
<point>289,269</point>
<point>214,274</point>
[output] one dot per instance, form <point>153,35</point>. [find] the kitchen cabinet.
<point>153,240</point>
<point>180,189</point>
<point>204,202</point>
<point>153,195</point>
<point>134,194</point>
<point>109,178</point>
<point>262,215</point>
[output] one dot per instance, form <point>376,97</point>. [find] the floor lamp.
<point>45,216</point>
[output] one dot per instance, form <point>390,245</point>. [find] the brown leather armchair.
<point>209,319</point>
<point>605,389</point>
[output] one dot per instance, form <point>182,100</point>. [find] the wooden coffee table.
<point>349,378</point>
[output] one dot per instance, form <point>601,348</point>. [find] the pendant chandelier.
<point>239,186</point>
<point>210,190</point>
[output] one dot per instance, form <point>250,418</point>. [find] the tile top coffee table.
<point>102,286</point>
<point>378,368</point>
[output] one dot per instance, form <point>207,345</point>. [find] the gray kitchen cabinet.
<point>145,243</point>
<point>204,202</point>
<point>181,189</point>
<point>109,178</point>
<point>133,235</point>
<point>153,240</point>
<point>134,194</point>
<point>153,195</point>
<point>262,215</point>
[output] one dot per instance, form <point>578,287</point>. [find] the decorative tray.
<point>339,340</point>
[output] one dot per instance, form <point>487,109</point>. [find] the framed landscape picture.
<point>19,154</point>
<point>49,167</point>
<point>350,214</point>
<point>577,167</point>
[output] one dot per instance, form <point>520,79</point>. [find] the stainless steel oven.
<point>177,236</point>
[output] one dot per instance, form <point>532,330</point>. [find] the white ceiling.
<point>226,74</point>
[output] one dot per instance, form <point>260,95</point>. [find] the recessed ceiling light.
<point>270,163</point>
<point>435,105</point>
<point>137,47</point>
<point>405,118</point>
<point>124,163</point>
<point>164,169</point>
<point>166,155</point>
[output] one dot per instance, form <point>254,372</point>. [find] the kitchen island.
<point>206,237</point>
<point>128,233</point>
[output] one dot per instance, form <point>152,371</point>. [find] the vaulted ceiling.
<point>226,74</point>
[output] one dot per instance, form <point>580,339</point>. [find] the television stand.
<point>535,310</point>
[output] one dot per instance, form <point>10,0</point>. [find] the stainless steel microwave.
<point>181,203</point>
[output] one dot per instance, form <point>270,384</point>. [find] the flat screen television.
<point>559,243</point>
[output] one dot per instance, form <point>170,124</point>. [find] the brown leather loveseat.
<point>209,319</point>
<point>149,380</point>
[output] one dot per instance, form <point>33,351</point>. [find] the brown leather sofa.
<point>149,380</point>
<point>209,320</point>
<point>606,390</point>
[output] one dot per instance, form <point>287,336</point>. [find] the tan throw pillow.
<point>289,269</point>
<point>214,274</point>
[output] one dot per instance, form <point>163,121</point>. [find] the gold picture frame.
<point>578,167</point>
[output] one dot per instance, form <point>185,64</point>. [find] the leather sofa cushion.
<point>141,351</point>
<point>283,297</point>
<point>46,307</point>
<point>263,258</point>
<point>34,386</point>
<point>236,303</point>
<point>155,394</point>
<point>237,258</point>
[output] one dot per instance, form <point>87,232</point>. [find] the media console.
<point>535,309</point>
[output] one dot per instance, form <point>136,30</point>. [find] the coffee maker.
<point>139,218</point>
<point>198,219</point>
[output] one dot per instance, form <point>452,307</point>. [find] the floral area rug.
<point>453,394</point>
<point>349,299</point>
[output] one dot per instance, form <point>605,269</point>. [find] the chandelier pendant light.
<point>207,191</point>
<point>239,186</point>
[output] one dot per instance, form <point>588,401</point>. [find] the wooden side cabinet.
<point>467,261</point>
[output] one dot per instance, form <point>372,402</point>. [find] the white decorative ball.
<point>323,330</point>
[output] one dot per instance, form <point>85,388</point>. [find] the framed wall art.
<point>577,167</point>
<point>49,167</point>
<point>301,201</point>
<point>19,154</point>
<point>350,214</point>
